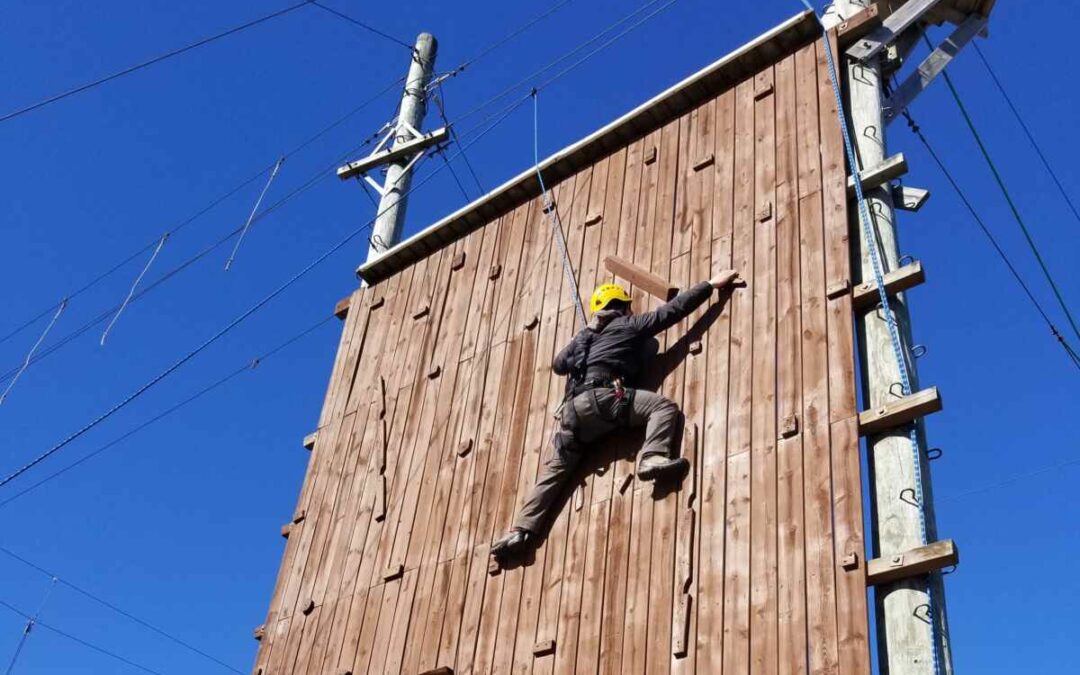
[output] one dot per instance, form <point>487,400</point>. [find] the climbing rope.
<point>553,215</point>
<point>889,317</point>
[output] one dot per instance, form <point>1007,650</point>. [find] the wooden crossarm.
<point>898,412</point>
<point>913,563</point>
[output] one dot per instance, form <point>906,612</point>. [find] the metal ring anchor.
<point>906,260</point>
<point>913,500</point>
<point>934,453</point>
<point>919,351</point>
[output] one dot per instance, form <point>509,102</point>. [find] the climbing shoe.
<point>658,467</point>
<point>512,543</point>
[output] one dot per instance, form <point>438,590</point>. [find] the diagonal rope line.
<point>1012,205</point>
<point>30,621</point>
<point>357,22</point>
<point>30,355</point>
<point>254,210</point>
<point>1027,132</point>
<point>553,216</point>
<point>917,130</point>
<point>134,286</point>
<point>150,62</point>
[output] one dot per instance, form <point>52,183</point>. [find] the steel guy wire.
<point>357,22</point>
<point>917,130</point>
<point>135,285</point>
<point>440,103</point>
<point>254,210</point>
<point>232,324</point>
<point>1008,198</point>
<point>30,621</point>
<point>30,355</point>
<point>105,603</point>
<point>247,367</point>
<point>150,62</point>
<point>890,321</point>
<point>84,643</point>
<point>1027,131</point>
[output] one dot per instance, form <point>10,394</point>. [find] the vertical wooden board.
<point>612,626</point>
<point>736,658</point>
<point>647,197</point>
<point>484,289</point>
<point>763,641</point>
<point>820,588</point>
<point>593,591</point>
<point>851,601</point>
<point>455,607</point>
<point>348,624</point>
<point>842,403</point>
<point>476,597</point>
<point>508,254</point>
<point>791,581</point>
<point>713,453</point>
<point>401,628</point>
<point>631,203</point>
<point>422,650</point>
<point>635,633</point>
<point>369,626</point>
<point>566,642</point>
<point>681,230</point>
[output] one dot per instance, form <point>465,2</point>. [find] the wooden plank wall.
<point>440,403</point>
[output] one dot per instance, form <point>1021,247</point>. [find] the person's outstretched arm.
<point>678,308</point>
<point>564,360</point>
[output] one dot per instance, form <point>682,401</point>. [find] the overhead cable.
<point>1012,205</point>
<point>30,621</point>
<point>84,643</point>
<point>105,603</point>
<point>357,22</point>
<point>245,368</point>
<point>917,130</point>
<point>157,59</point>
<point>1027,132</point>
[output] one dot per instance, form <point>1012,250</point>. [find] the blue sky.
<point>179,524</point>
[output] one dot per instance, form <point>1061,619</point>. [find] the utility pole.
<point>407,147</point>
<point>902,608</point>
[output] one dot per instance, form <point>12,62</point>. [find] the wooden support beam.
<point>909,198</point>
<point>341,309</point>
<point>891,169</point>
<point>309,440</point>
<point>913,563</point>
<point>652,284</point>
<point>898,412</point>
<point>895,24</point>
<point>858,26</point>
<point>866,296</point>
<point>932,66</point>
<point>399,151</point>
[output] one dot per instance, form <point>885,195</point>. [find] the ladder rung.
<point>898,412</point>
<point>865,296</point>
<point>913,563</point>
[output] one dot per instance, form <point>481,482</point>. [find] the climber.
<point>601,364</point>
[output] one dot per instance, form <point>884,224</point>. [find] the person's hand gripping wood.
<point>725,279</point>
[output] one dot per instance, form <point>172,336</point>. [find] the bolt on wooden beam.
<point>913,563</point>
<point>899,412</point>
<point>865,296</point>
<point>891,169</point>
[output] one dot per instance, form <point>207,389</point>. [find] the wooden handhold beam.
<point>650,155</point>
<point>680,629</point>
<point>898,412</point>
<point>309,440</point>
<point>913,563</point>
<point>652,284</point>
<point>380,500</point>
<point>763,91</point>
<point>286,530</point>
<point>704,162</point>
<point>493,566</point>
<point>858,26</point>
<point>341,309</point>
<point>308,607</point>
<point>765,212</point>
<point>838,289</point>
<point>494,272</point>
<point>593,219</point>
<point>626,481</point>
<point>458,262</point>
<point>433,372</point>
<point>789,426</point>
<point>909,198</point>
<point>695,347</point>
<point>393,571</point>
<point>377,302</point>
<point>850,562</point>
<point>260,632</point>
<point>531,322</point>
<point>891,169</point>
<point>865,296</point>
<point>464,447</point>
<point>544,647</point>
<point>421,312</point>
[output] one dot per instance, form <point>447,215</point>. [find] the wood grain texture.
<point>738,569</point>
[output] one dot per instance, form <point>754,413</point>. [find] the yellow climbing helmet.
<point>604,294</point>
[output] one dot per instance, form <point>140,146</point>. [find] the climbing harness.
<point>890,322</point>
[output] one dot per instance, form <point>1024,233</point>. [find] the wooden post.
<point>904,640</point>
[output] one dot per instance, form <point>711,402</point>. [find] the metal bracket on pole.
<point>413,145</point>
<point>895,24</point>
<point>932,66</point>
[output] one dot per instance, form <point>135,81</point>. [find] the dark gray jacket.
<point>616,343</point>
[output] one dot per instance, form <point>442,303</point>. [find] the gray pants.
<point>598,414</point>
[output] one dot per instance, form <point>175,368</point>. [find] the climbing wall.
<point>439,411</point>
